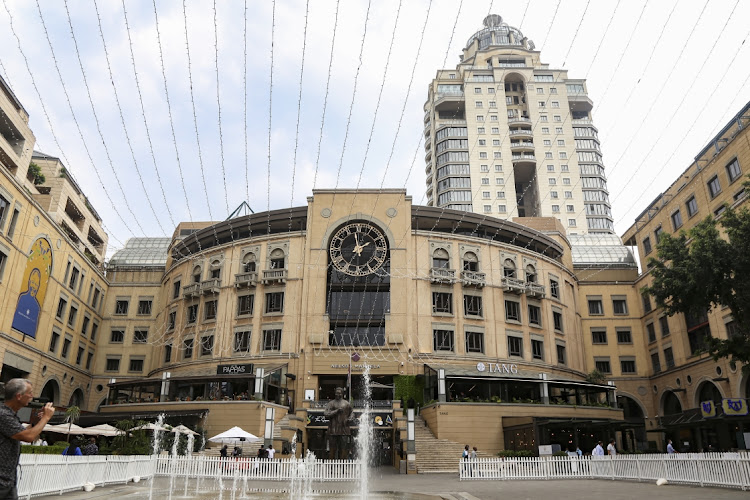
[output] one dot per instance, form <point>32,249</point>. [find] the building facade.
<point>508,136</point>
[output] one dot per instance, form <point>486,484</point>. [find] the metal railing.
<point>271,275</point>
<point>730,470</point>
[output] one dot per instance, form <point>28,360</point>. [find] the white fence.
<point>45,474</point>
<point>731,470</point>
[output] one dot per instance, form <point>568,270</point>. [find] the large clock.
<point>358,249</point>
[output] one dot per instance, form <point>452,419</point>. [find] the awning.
<point>89,419</point>
<point>472,373</point>
<point>268,367</point>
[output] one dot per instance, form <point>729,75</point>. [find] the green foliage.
<point>515,453</point>
<point>72,414</point>
<point>63,173</point>
<point>560,454</point>
<point>131,443</point>
<point>408,387</point>
<point>44,450</point>
<point>704,268</point>
<point>35,174</point>
<point>595,377</point>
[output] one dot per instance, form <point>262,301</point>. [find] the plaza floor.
<point>440,486</point>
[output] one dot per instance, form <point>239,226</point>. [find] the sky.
<point>170,111</point>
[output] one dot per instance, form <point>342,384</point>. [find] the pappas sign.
<point>235,369</point>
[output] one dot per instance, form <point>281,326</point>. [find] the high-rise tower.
<point>508,136</point>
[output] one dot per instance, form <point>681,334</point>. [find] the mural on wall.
<point>34,287</point>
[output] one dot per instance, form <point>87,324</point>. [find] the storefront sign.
<point>708,409</point>
<point>356,368</point>
<point>734,407</point>
<point>378,419</point>
<point>497,367</point>
<point>235,369</point>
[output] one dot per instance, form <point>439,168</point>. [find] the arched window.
<point>197,274</point>
<point>671,403</point>
<point>440,259</point>
<point>509,268</point>
<point>530,274</point>
<point>216,269</point>
<point>278,259</point>
<point>248,263</point>
<point>471,262</point>
<point>708,392</point>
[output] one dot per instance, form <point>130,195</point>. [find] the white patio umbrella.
<point>64,429</point>
<point>234,435</point>
<point>102,430</point>
<point>184,430</point>
<point>150,427</point>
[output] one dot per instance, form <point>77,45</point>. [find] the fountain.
<point>364,437</point>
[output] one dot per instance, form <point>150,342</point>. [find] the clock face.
<point>358,249</point>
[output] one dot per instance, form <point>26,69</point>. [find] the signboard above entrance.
<point>235,369</point>
<point>497,367</point>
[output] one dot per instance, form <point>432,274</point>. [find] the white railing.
<point>730,470</point>
<point>47,474</point>
<point>259,469</point>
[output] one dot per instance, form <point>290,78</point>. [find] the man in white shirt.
<point>611,449</point>
<point>670,448</point>
<point>598,451</point>
<point>271,451</point>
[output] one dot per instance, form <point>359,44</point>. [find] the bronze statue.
<point>338,412</point>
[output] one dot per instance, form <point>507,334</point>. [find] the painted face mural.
<point>35,279</point>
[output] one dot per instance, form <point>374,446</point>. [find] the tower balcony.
<point>522,146</point>
<point>521,133</point>
<point>519,120</point>
<point>523,158</point>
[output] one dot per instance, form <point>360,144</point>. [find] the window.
<point>480,130</point>
<point>515,346</point>
<point>171,319</point>
<point>557,321</point>
<point>187,348</point>
<point>53,341</point>
<point>13,222</point>
<point>89,359</point>
<point>117,336</point>
<point>176,289</point>
<point>112,365</point>
<point>692,206</point>
<point>598,336</point>
<point>698,331</point>
<point>85,325</point>
<point>556,208</point>
<point>651,331</point>
<point>475,342</point>
<point>484,168</point>
<point>512,311</point>
<point>495,142</point>
<point>497,155</point>
<point>714,186</point>
<point>168,353</point>
<point>140,336</point>
<point>555,104</point>
<point>509,268</point>
<point>676,220</point>
<point>537,349</point>
<point>570,208</point>
<point>61,308</point>
<point>568,195</point>
<point>442,340</point>
<point>485,181</point>
<point>477,90</point>
<point>501,195</point>
<point>242,341</point>
<point>540,90</point>
<point>493,104</point>
<point>478,104</point>
<point>95,300</point>
<point>72,316</point>
<point>655,364</point>
<point>136,365</point>
<point>561,354</point>
<point>209,310</point>
<point>548,155</point>
<point>566,181</point>
<point>544,118</point>
<point>620,305</point>
<point>66,347</point>
<point>647,246</point>
<point>480,118</point>
<point>558,118</point>
<point>499,181</point>
<point>562,155</point>
<point>501,208</point>
<point>278,259</point>
<point>545,130</point>
<point>658,232</point>
<point>550,168</point>
<point>664,325</point>
<point>535,315</point>
<point>669,357</point>
<point>207,345</point>
<point>121,306</point>
<point>245,305</point>
<point>733,170</point>
<point>552,181</point>
<point>94,330</point>
<point>627,366</point>
<point>553,195</point>
<point>472,305</point>
<point>440,259</point>
<point>624,336</point>
<point>73,279</point>
<point>541,104</point>
<point>646,303</point>
<point>442,303</point>
<point>485,194</point>
<point>490,90</point>
<point>144,307</point>
<point>554,288</point>
<point>272,340</point>
<point>495,130</point>
<point>602,365</point>
<point>561,142</point>
<point>192,314</point>
<point>483,155</point>
<point>572,222</point>
<point>553,90</point>
<point>558,130</point>
<point>595,307</point>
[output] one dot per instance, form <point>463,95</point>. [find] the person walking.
<point>598,450</point>
<point>18,394</point>
<point>670,448</point>
<point>473,458</point>
<point>91,448</point>
<point>465,458</point>
<point>223,451</point>
<point>271,451</point>
<point>611,448</point>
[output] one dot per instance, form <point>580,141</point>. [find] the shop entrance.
<point>381,387</point>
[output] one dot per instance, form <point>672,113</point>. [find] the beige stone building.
<point>508,136</point>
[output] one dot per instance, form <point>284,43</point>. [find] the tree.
<point>72,414</point>
<point>704,268</point>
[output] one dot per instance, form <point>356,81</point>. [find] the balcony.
<point>582,121</point>
<point>519,119</point>
<point>513,285</point>
<point>517,158</point>
<point>271,276</point>
<point>452,121</point>
<point>473,278</point>
<point>191,290</point>
<point>210,286</point>
<point>521,146</point>
<point>535,290</point>
<point>442,275</point>
<point>428,156</point>
<point>246,279</point>
<point>521,133</point>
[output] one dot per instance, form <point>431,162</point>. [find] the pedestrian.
<point>473,458</point>
<point>598,451</point>
<point>579,452</point>
<point>670,448</point>
<point>237,452</point>
<point>611,449</point>
<point>271,451</point>
<point>73,449</point>
<point>91,448</point>
<point>223,451</point>
<point>18,394</point>
<point>465,458</point>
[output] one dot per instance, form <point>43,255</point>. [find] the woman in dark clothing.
<point>73,448</point>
